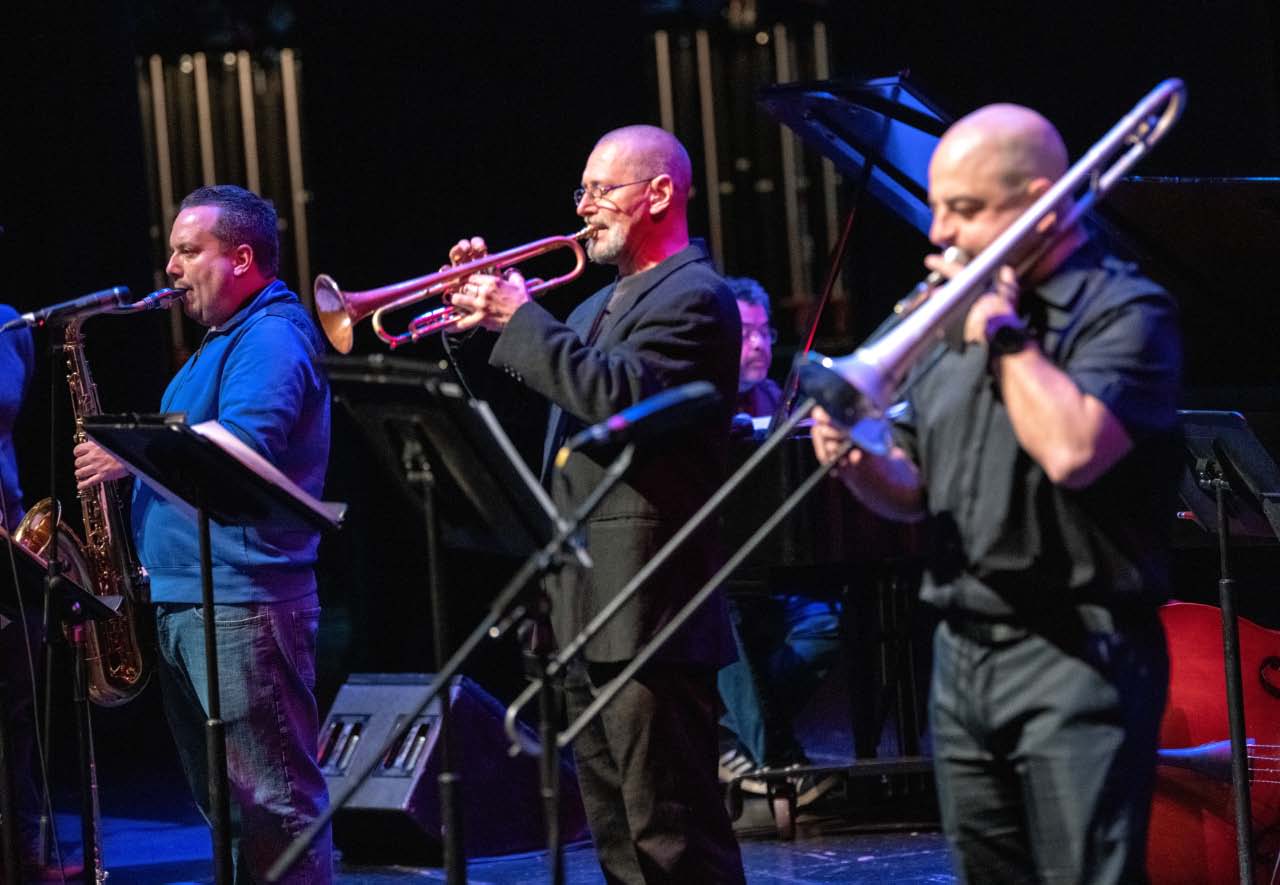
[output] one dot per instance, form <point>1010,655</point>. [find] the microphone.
<point>76,308</point>
<point>650,417</point>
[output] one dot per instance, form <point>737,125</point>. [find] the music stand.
<point>1231,485</point>
<point>32,568</point>
<point>441,445</point>
<point>75,606</point>
<point>211,474</point>
<point>407,411</point>
<point>440,433</point>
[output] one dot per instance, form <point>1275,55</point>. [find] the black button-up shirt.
<point>1007,541</point>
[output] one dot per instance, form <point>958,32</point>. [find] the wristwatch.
<point>1006,334</point>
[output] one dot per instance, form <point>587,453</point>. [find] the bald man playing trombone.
<point>1043,455</point>
<point>647,764</point>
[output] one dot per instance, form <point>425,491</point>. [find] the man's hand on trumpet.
<point>487,300</point>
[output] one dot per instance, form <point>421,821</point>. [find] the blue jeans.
<point>266,664</point>
<point>786,645</point>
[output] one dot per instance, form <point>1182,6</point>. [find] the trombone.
<point>338,310</point>
<point>856,389</point>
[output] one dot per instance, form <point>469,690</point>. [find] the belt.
<point>987,631</point>
<point>1076,621</point>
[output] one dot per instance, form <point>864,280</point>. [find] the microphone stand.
<point>506,610</point>
<point>90,837</point>
<point>552,743</point>
<point>417,469</point>
<point>8,826</point>
<point>615,685</point>
<point>624,596</point>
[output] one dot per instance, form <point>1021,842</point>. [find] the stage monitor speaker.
<point>395,815</point>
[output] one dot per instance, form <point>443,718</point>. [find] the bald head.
<point>988,168</point>
<point>1011,142</point>
<point>647,152</point>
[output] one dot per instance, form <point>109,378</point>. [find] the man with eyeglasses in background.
<point>647,763</point>
<point>758,394</point>
<point>788,637</point>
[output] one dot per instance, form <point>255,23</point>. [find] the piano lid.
<point>887,121</point>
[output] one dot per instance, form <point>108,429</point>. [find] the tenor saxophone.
<point>119,651</point>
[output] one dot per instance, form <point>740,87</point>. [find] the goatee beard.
<point>604,248</point>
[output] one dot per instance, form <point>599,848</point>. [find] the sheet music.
<point>229,444</point>
<point>233,446</point>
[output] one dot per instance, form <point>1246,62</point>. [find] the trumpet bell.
<point>331,311</point>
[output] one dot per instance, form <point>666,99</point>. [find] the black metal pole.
<point>449,781</point>
<point>549,716</point>
<point>46,834</point>
<point>1235,696</point>
<point>569,650</point>
<point>88,764</point>
<point>611,689</point>
<point>499,614</point>
<point>215,728</point>
<point>8,835</point>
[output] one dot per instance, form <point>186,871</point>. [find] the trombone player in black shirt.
<point>1044,455</point>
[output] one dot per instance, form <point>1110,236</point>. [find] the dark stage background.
<point>427,122</point>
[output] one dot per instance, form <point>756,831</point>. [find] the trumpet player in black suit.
<point>647,764</point>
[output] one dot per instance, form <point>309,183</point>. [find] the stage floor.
<point>153,834</point>
<point>142,851</point>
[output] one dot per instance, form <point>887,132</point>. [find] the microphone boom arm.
<point>705,512</point>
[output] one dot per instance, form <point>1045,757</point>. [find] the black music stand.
<point>213,475</point>
<point>443,446</point>
<point>1232,486</point>
<point>74,607</point>
<point>438,439</point>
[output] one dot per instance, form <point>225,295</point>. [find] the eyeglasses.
<point>597,191</point>
<point>764,333</point>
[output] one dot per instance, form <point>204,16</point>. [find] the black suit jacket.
<point>679,324</point>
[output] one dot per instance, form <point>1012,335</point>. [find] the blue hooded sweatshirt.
<point>257,375</point>
<point>17,359</point>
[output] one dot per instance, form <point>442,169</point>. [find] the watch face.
<point>1008,338</point>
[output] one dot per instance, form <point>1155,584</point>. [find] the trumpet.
<point>339,310</point>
